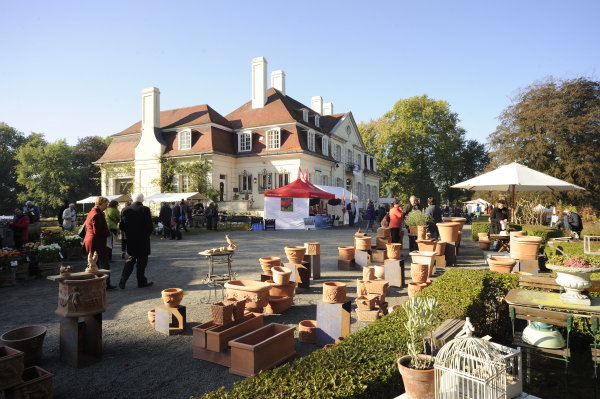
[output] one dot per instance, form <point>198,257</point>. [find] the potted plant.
<point>417,224</point>
<point>573,274</point>
<point>71,247</point>
<point>416,368</point>
<point>48,257</point>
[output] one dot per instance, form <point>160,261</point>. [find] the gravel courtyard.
<point>139,362</point>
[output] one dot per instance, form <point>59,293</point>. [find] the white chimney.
<point>151,144</point>
<point>316,103</point>
<point>278,80</point>
<point>328,109</point>
<point>259,82</point>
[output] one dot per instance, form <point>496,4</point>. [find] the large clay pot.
<point>255,293</point>
<point>419,272</point>
<point>81,297</point>
<point>152,317</point>
<point>267,262</point>
<point>295,254</point>
<point>525,247</point>
<point>278,304</point>
<point>394,250</point>
<point>448,231</point>
<point>456,219</point>
<point>281,275</point>
<point>362,243</point>
<point>172,297</point>
<point>440,248</point>
<point>346,253</point>
<point>288,289</point>
<point>483,236</point>
<point>307,331</point>
<point>334,292</point>
<point>415,288</point>
<point>419,384</point>
<point>426,245</point>
<point>312,248</point>
<point>29,340</point>
<point>368,273</point>
<point>501,265</point>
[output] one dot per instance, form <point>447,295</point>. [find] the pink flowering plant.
<point>573,262</point>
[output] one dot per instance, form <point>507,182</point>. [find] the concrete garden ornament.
<point>92,266</point>
<point>573,274</point>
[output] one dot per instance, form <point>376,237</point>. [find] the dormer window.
<point>245,141</point>
<point>305,115</point>
<point>311,140</point>
<point>325,145</point>
<point>273,139</point>
<point>317,121</point>
<point>185,139</point>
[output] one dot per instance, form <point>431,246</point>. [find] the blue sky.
<point>73,69</point>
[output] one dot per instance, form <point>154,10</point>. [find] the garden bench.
<point>549,283</point>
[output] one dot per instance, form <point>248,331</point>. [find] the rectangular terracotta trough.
<point>217,338</point>
<point>262,349</point>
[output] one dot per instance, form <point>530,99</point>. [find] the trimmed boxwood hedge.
<point>364,364</point>
<point>531,229</point>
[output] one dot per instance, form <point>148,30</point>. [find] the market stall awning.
<point>299,189</point>
<point>339,192</point>
<point>174,197</point>
<point>118,198</point>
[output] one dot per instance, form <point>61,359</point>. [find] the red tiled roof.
<point>328,122</point>
<point>121,149</point>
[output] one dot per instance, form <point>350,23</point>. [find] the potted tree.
<point>416,368</point>
<point>417,224</point>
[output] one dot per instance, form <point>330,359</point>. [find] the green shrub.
<point>531,230</point>
<point>479,227</point>
<point>364,364</point>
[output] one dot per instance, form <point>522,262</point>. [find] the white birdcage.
<point>474,368</point>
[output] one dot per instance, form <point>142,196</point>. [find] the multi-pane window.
<point>325,145</point>
<point>245,183</point>
<point>325,180</point>
<point>338,153</point>
<point>265,182</point>
<point>311,140</point>
<point>305,115</point>
<point>245,141</point>
<point>185,139</point>
<point>282,179</point>
<point>185,184</point>
<point>175,184</point>
<point>339,182</point>
<point>350,158</point>
<point>358,160</point>
<point>273,139</point>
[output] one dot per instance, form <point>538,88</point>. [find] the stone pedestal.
<point>346,264</point>
<point>315,265</point>
<point>362,258</point>
<point>378,255</point>
<point>81,340</point>
<point>300,274</point>
<point>333,321</point>
<point>440,261</point>
<point>394,272</point>
<point>450,254</point>
<point>170,320</point>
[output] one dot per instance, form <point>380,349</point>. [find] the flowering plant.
<point>48,253</point>
<point>8,257</point>
<point>71,240</point>
<point>50,237</point>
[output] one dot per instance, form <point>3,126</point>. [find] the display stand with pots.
<point>171,316</point>
<point>313,257</point>
<point>254,293</point>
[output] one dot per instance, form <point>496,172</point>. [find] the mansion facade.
<point>257,147</point>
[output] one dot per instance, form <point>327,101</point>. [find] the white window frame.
<point>325,180</point>
<point>282,179</point>
<point>185,139</point>
<point>305,115</point>
<point>245,184</point>
<point>359,160</point>
<point>185,184</point>
<point>245,141</point>
<point>311,140</point>
<point>273,139</point>
<point>325,145</point>
<point>338,153</point>
<point>317,121</point>
<point>350,157</point>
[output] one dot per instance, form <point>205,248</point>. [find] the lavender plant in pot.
<point>416,368</point>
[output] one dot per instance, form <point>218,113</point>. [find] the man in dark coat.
<point>165,215</point>
<point>573,222</point>
<point>137,224</point>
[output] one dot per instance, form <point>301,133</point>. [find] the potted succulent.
<point>417,224</point>
<point>416,368</point>
<point>573,274</point>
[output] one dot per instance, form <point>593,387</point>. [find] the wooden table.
<point>504,241</point>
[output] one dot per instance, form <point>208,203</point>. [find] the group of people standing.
<point>179,216</point>
<point>20,225</point>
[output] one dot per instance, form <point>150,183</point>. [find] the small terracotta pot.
<point>278,304</point>
<point>281,275</point>
<point>421,232</point>
<point>394,250</point>
<point>379,271</point>
<point>448,231</point>
<point>419,384</point>
<point>368,273</point>
<point>426,245</point>
<point>295,254</point>
<point>238,307</point>
<point>362,243</point>
<point>415,288</point>
<point>365,303</point>
<point>346,253</point>
<point>222,313</point>
<point>334,292</point>
<point>307,331</point>
<point>288,289</point>
<point>484,245</point>
<point>440,248</point>
<point>483,236</point>
<point>501,265</point>
<point>152,317</point>
<point>419,272</point>
<point>312,248</point>
<point>172,297</point>
<point>268,262</point>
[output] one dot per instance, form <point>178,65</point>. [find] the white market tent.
<point>118,198</point>
<point>542,209</point>
<point>339,192</point>
<point>174,197</point>
<point>472,205</point>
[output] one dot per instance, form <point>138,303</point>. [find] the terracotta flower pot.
<point>254,293</point>
<point>483,236</point>
<point>11,367</point>
<point>525,247</point>
<point>365,303</point>
<point>426,245</point>
<point>152,317</point>
<point>278,304</point>
<point>384,232</point>
<point>440,248</point>
<point>29,340</point>
<point>456,219</point>
<point>222,313</point>
<point>419,384</point>
<point>295,254</point>
<point>307,331</point>
<point>421,232</point>
<point>334,292</point>
<point>394,251</point>
<point>415,288</point>
<point>448,231</point>
<point>501,265</point>
<point>238,307</point>
<point>346,253</point>
<point>281,275</point>
<point>312,248</point>
<point>419,272</point>
<point>484,245</point>
<point>268,262</point>
<point>368,273</point>
<point>81,297</point>
<point>362,243</point>
<point>376,287</point>
<point>172,297</point>
<point>379,271</point>
<point>288,289</point>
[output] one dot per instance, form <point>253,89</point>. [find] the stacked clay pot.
<point>281,275</point>
<point>501,265</point>
<point>363,243</point>
<point>254,293</point>
<point>346,253</point>
<point>295,254</point>
<point>307,331</point>
<point>419,272</point>
<point>267,262</point>
<point>394,251</point>
<point>334,292</point>
<point>172,296</point>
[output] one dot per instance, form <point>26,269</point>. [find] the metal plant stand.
<point>216,281</point>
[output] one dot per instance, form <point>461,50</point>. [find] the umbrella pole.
<point>512,210</point>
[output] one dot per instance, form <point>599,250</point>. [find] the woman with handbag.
<point>96,234</point>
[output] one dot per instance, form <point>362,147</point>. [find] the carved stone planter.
<point>368,273</point>
<point>221,313</point>
<point>376,287</point>
<point>363,302</point>
<point>278,304</point>
<point>37,383</point>
<point>334,292</point>
<point>239,307</point>
<point>11,367</point>
<point>307,331</point>
<point>419,272</point>
<point>172,297</point>
<point>363,243</point>
<point>29,340</point>
<point>448,231</point>
<point>281,275</point>
<point>255,293</point>
<point>82,296</point>
<point>346,253</point>
<point>394,250</point>
<point>424,257</point>
<point>295,254</point>
<point>262,349</point>
<point>384,232</point>
<point>267,262</point>
<point>312,248</point>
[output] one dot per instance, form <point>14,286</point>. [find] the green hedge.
<point>364,364</point>
<point>479,227</point>
<point>531,229</point>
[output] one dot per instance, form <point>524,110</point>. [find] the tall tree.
<point>421,149</point>
<point>554,126</point>
<point>46,173</point>
<point>10,141</point>
<point>87,175</point>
